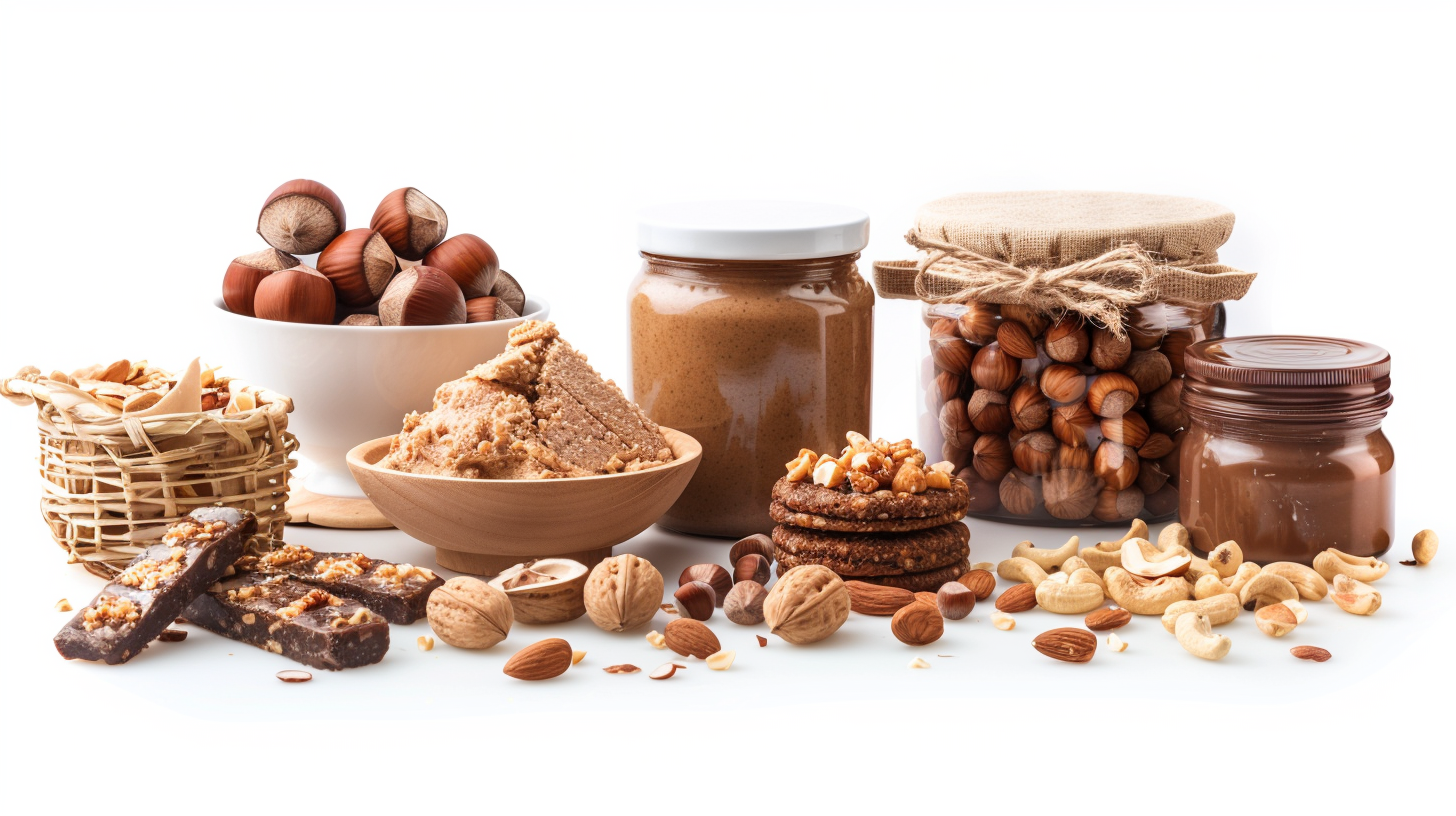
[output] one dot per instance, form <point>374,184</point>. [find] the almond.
<point>979,581</point>
<point>873,599</point>
<point>1019,598</point>
<point>1101,620</point>
<point>690,637</point>
<point>1314,653</point>
<point>1069,645</point>
<point>541,660</point>
<point>926,597</point>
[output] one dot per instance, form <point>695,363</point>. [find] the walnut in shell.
<point>808,604</point>
<point>468,613</point>
<point>623,592</point>
<point>546,591</point>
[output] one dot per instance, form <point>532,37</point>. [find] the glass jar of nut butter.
<point>1284,452</point>
<point>751,331</point>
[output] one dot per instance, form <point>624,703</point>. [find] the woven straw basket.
<point>112,485</point>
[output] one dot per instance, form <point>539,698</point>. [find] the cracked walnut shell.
<point>468,613</point>
<point>807,604</point>
<point>623,592</point>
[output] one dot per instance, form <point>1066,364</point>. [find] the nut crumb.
<point>720,661</point>
<point>762,641</point>
<point>172,636</point>
<point>63,605</point>
<point>294,676</point>
<point>1116,643</point>
<point>1409,563</point>
<point>657,639</point>
<point>425,642</point>
<point>622,668</point>
<point>919,663</point>
<point>1314,653</point>
<point>576,656</point>
<point>669,609</point>
<point>1003,621</point>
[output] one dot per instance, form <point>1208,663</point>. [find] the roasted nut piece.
<point>712,575</point>
<point>1016,340</point>
<point>1310,585</point>
<point>545,591</point>
<point>1424,546</point>
<point>1314,653</point>
<point>1278,620</point>
<point>756,543</point>
<point>1067,341</point>
<point>1020,493</point>
<point>807,604</point>
<point>989,412</point>
<point>1333,562</point>
<point>1219,609</point>
<point>981,582</point>
<point>689,637</point>
<point>955,601</point>
<point>468,613</point>
<point>994,368</point>
<point>744,604</point>
<point>1109,352</point>
<point>696,600</point>
<point>991,457</point>
<point>1195,635</point>
<point>1062,384</point>
<point>1112,394</point>
<point>1068,645</point>
<point>1072,423</point>
<point>917,624</point>
<point>622,592</point>
<point>1354,596</point>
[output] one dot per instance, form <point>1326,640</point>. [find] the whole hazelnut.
<point>1175,347</point>
<point>1035,322</point>
<point>955,424</point>
<point>807,604</point>
<point>1109,351</point>
<point>955,600</point>
<point>1035,452</point>
<point>411,222</point>
<point>468,613</point>
<point>958,457</point>
<point>1070,494</point>
<point>422,296</point>
<point>469,261</point>
<point>240,281</point>
<point>486,309</point>
<point>295,295</point>
<point>1112,394</point>
<point>918,624</point>
<point>1116,464</point>
<point>979,322</point>
<point>1072,424</point>
<point>360,264</point>
<point>1163,502</point>
<point>1152,475</point>
<point>951,354</point>
<point>1062,383</point>
<point>695,600</point>
<point>943,327</point>
<point>1014,339</point>
<point>744,604</point>
<point>1119,505</point>
<point>1030,409</point>
<point>1156,446</point>
<point>622,592</point>
<point>1072,458</point>
<point>361,320</point>
<point>710,574</point>
<point>991,457</point>
<point>1149,369</point>
<point>984,495</point>
<point>1066,340</point>
<point>301,217</point>
<point>1020,493</point>
<point>752,567</point>
<point>509,290</point>
<point>989,411</point>
<point>1165,409</point>
<point>1129,429</point>
<point>756,543</point>
<point>947,386</point>
<point>995,369</point>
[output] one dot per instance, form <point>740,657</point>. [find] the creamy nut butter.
<point>752,331</point>
<point>1284,453</point>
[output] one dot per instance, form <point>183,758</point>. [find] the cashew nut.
<point>1267,588</point>
<point>1175,535</point>
<point>1310,584</point>
<point>1075,563</point>
<point>1278,620</point>
<point>1246,573</point>
<point>1197,569</point>
<point>1219,609</point>
<point>1067,598</point>
<point>1355,597</point>
<point>1209,586</point>
<point>1332,562</point>
<point>1195,635</point>
<point>1139,529</point>
<point>1142,559</point>
<point>1144,597</point>
<point>1021,570</point>
<point>1098,559</point>
<point>1048,560</point>
<point>1085,576</point>
<point>1226,558</point>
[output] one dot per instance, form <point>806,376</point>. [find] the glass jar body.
<point>755,360</point>
<point>1287,493</point>
<point>1018,410</point>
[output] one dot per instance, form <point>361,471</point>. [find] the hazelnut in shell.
<point>1119,505</point>
<point>1072,423</point>
<point>468,613</point>
<point>411,222</point>
<point>983,493</point>
<point>1035,452</point>
<point>951,354</point>
<point>298,294</point>
<point>1109,352</point>
<point>240,281</point>
<point>486,309</point>
<point>807,604</point>
<point>361,320</point>
<point>509,290</point>
<point>422,296</point>
<point>695,600</point>
<point>1020,493</point>
<point>301,217</point>
<point>1070,494</point>
<point>994,369</point>
<point>744,604</point>
<point>1129,429</point>
<point>1112,394</point>
<point>549,590</point>
<point>1030,409</point>
<point>1149,370</point>
<point>989,411</point>
<point>1016,340</point>
<point>756,543</point>
<point>469,261</point>
<point>1063,384</point>
<point>752,567</point>
<point>979,322</point>
<point>712,575</point>
<point>1116,464</point>
<point>360,264</point>
<point>955,424</point>
<point>1067,341</point>
<point>622,592</point>
<point>955,600</point>
<point>991,457</point>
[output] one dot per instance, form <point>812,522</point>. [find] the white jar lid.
<point>752,230</point>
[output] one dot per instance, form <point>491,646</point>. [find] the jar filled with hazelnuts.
<point>1056,324</point>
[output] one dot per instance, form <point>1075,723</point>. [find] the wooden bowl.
<point>483,526</point>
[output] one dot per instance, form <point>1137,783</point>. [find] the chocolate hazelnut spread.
<point>1284,453</point>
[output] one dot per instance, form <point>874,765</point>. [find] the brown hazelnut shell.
<point>240,281</point>
<point>411,222</point>
<point>1066,340</point>
<point>995,369</point>
<point>298,294</point>
<point>301,217</point>
<point>360,264</point>
<point>468,260</point>
<point>422,296</point>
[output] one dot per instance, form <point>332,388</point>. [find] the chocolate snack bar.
<point>291,618</point>
<point>157,585</point>
<point>398,592</point>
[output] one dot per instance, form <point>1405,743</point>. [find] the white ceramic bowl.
<point>350,384</point>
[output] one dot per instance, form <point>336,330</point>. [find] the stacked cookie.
<point>873,514</point>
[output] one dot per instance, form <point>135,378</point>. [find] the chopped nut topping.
<point>657,639</point>
<point>397,574</point>
<point>800,468</point>
<point>149,574</point>
<point>111,611</point>
<point>829,474</point>
<point>352,565</point>
<point>315,597</point>
<point>287,554</point>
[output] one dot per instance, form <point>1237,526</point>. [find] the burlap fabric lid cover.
<point>1092,253</point>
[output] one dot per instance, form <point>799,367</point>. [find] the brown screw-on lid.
<point>1287,360</point>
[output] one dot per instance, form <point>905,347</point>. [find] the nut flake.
<point>425,642</point>
<point>657,639</point>
<point>287,554</point>
<point>315,598</point>
<point>919,663</point>
<point>63,605</point>
<point>622,668</point>
<point>349,566</point>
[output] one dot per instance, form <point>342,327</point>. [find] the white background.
<point>138,142</point>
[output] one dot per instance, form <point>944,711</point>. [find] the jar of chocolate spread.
<point>1284,453</point>
<point>751,331</point>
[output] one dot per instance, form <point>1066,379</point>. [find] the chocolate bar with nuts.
<point>399,592</point>
<point>288,617</point>
<point>144,599</point>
